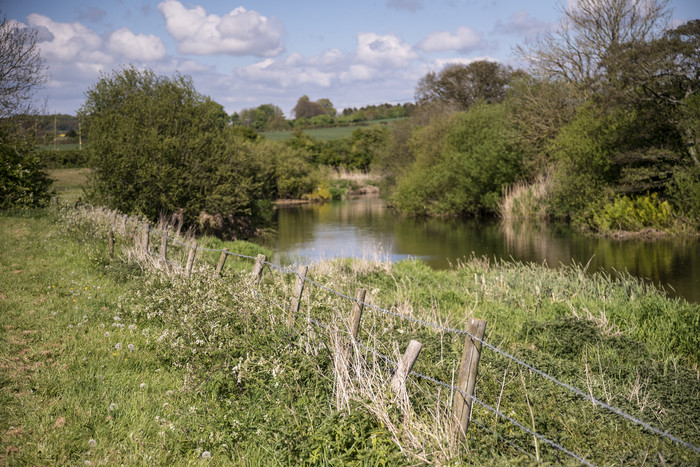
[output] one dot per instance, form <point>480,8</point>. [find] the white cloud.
<point>68,41</point>
<point>296,70</point>
<point>383,51</point>
<point>141,47</point>
<point>465,40</point>
<point>239,32</point>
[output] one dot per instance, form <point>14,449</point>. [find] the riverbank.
<point>115,362</point>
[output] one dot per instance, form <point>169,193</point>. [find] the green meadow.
<point>129,361</point>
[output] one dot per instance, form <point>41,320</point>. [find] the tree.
<point>23,181</point>
<point>307,109</point>
<point>589,30</point>
<point>159,147</point>
<point>464,85</point>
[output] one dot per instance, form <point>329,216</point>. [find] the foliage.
<point>632,214</point>
<point>69,158</point>
<point>24,182</point>
<point>461,164</point>
<point>305,108</point>
<point>158,146</point>
<point>464,85</point>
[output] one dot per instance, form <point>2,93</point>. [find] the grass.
<point>323,134</point>
<point>226,382</point>
<point>69,183</point>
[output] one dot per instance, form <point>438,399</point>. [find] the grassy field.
<point>129,362</point>
<point>324,134</point>
<point>69,183</point>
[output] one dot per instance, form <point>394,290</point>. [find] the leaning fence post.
<point>298,291</point>
<point>190,259</point>
<point>357,307</point>
<point>164,247</point>
<point>222,260</point>
<point>258,268</point>
<point>463,398</point>
<point>405,365</point>
<point>146,238</point>
<point>110,244</point>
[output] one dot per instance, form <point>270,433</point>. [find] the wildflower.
<point>131,347</point>
<point>206,455</point>
<point>84,317</point>
<point>102,326</point>
<point>92,443</point>
<point>118,346</point>
<point>117,318</point>
<point>132,327</point>
<point>107,334</point>
<point>169,392</point>
<point>87,462</point>
<point>112,407</point>
<point>142,385</point>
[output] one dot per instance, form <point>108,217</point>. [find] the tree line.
<point>601,130</point>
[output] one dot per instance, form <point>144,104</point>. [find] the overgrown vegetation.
<point>130,362</point>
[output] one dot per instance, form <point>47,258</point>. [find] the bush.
<point>23,181</point>
<point>632,214</point>
<point>462,164</point>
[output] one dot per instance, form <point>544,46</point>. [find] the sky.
<point>244,54</point>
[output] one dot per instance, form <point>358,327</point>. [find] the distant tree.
<point>463,85</point>
<point>23,181</point>
<point>307,109</point>
<point>327,106</point>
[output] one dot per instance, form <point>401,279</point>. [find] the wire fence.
<point>441,328</point>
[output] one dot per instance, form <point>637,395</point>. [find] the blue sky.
<point>246,53</point>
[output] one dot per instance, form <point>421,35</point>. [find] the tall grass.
<point>525,201</point>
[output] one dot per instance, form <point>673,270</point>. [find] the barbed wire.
<point>446,329</point>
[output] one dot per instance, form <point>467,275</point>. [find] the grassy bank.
<point>130,362</point>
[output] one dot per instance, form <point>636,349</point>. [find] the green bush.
<point>462,164</point>
<point>633,214</point>
<point>24,182</point>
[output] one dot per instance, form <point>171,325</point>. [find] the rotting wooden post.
<point>258,268</point>
<point>298,291</point>
<point>405,365</point>
<point>146,238</point>
<point>164,247</point>
<point>55,200</point>
<point>190,259</point>
<point>110,244</point>
<point>356,316</point>
<point>466,381</point>
<point>222,260</point>
<point>124,218</point>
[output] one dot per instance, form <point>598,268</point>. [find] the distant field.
<point>69,183</point>
<point>325,134</point>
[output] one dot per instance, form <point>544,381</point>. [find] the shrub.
<point>632,214</point>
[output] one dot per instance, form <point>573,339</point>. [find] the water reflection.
<point>366,227</point>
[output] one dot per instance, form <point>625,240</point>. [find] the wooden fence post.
<point>110,244</point>
<point>298,291</point>
<point>356,316</point>
<point>462,407</point>
<point>126,234</point>
<point>146,238</point>
<point>258,268</point>
<point>190,259</point>
<point>164,247</point>
<point>405,365</point>
<point>222,260</point>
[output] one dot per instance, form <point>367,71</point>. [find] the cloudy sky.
<point>246,53</point>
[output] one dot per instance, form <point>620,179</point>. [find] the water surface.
<point>366,227</point>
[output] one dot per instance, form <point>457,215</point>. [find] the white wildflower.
<point>206,455</point>
<point>92,443</point>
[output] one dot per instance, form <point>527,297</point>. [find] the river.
<point>366,227</point>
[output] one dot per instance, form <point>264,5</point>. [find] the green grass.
<point>61,147</point>
<point>69,183</point>
<point>323,134</point>
<point>222,373</point>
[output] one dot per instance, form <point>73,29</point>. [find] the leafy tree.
<point>158,146</point>
<point>23,181</point>
<point>464,85</point>
<point>462,163</point>
<point>305,108</point>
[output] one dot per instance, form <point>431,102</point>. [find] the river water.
<point>366,227</point>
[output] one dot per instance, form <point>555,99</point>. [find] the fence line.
<point>449,330</point>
